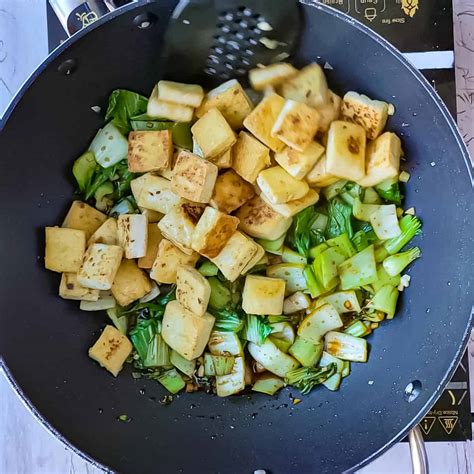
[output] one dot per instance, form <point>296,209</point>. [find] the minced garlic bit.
<point>410,211</point>
<point>269,43</point>
<point>391,109</point>
<point>264,26</point>
<point>404,177</point>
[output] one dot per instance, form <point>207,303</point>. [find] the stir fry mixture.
<point>235,244</point>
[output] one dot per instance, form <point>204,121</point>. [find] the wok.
<point>44,339</point>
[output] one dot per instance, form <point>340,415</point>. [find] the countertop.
<point>25,446</point>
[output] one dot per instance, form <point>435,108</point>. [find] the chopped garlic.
<point>410,211</point>
<point>404,177</point>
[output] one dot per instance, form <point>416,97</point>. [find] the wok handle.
<point>419,458</point>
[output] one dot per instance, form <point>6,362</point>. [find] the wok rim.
<point>417,75</point>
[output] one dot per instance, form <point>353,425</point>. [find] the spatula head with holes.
<point>209,42</point>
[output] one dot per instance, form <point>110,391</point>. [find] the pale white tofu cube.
<point>234,257</point>
<point>259,255</point>
<point>111,350</point>
<point>192,290</point>
<point>179,224</point>
<point>167,110</point>
<point>71,289</point>
<point>224,160</point>
<point>345,151</point>
<point>64,249</point>
<point>259,220</point>
<point>136,185</point>
<point>269,76</point>
<point>81,216</point>
<point>319,176</point>
<point>105,234</point>
<point>168,259</point>
<point>249,157</point>
<point>231,192</point>
<point>261,120</point>
<point>100,265</point>
<point>149,150</point>
<point>300,163</point>
<point>213,134</point>
<point>382,159</point>
<point>156,194</point>
<point>279,186</point>
<point>263,295</point>
<point>132,233</point>
<point>329,111</point>
<point>179,93</point>
<point>130,283</point>
<point>186,332</point>
<point>370,114</point>
<point>291,208</point>
<point>296,125</point>
<point>193,178</point>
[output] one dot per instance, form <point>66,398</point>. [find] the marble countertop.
<point>25,446</point>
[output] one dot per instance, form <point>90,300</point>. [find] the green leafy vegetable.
<point>83,170</point>
<point>221,296</point>
<point>123,105</point>
<point>208,269</point>
<point>389,190</point>
<point>109,146</point>
<point>172,381</point>
<point>227,320</point>
<point>343,244</point>
<point>395,264</point>
<point>410,226</point>
<point>256,329</point>
<point>302,236</point>
<point>306,378</point>
<point>339,219</point>
<point>359,270</point>
<point>385,300</point>
<point>217,365</point>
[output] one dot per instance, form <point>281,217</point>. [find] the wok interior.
<point>45,339</point>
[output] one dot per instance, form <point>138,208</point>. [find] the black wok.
<point>44,339</point>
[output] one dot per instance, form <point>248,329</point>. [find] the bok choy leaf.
<point>123,105</point>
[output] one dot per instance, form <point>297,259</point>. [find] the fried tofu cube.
<point>168,259</point>
<point>154,239</point>
<point>249,157</point>
<point>64,249</point>
<point>231,192</point>
<point>308,86</point>
<point>179,224</point>
<point>168,171</point>
<point>224,160</point>
<point>105,234</point>
<point>81,216</point>
<point>111,350</point>
<point>213,231</point>
<point>193,178</point>
<point>231,100</point>
<point>259,254</point>
<point>149,150</point>
<point>179,93</point>
<point>186,332</point>
<point>71,289</point>
<point>132,231</point>
<point>263,295</point>
<point>319,176</point>
<point>156,194</point>
<point>192,290</point>
<point>270,76</point>
<point>260,122</point>
<point>100,266</point>
<point>329,111</point>
<point>136,185</point>
<point>370,114</point>
<point>235,256</point>
<point>152,217</point>
<point>299,163</point>
<point>291,208</point>
<point>279,186</point>
<point>130,283</point>
<point>167,110</point>
<point>345,152</point>
<point>259,220</point>
<point>296,125</point>
<point>213,134</point>
<point>382,159</point>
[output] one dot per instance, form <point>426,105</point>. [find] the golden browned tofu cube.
<point>168,110</point>
<point>259,220</point>
<point>71,289</point>
<point>130,283</point>
<point>319,176</point>
<point>231,100</point>
<point>213,134</point>
<point>308,86</point>
<point>231,192</point>
<point>270,76</point>
<point>299,163</point>
<point>291,208</point>
<point>105,234</point>
<point>382,159</point>
<point>329,111</point>
<point>279,186</point>
<point>64,249</point>
<point>154,239</point>
<point>111,350</point>
<point>223,161</point>
<point>263,295</point>
<point>249,157</point>
<point>100,266</point>
<point>167,261</point>
<point>179,93</point>
<point>370,114</point>
<point>259,255</point>
<point>132,231</point>
<point>192,290</point>
<point>149,150</point>
<point>296,125</point>
<point>193,177</point>
<point>156,194</point>
<point>345,151</point>
<point>186,332</point>
<point>81,216</point>
<point>212,232</point>
<point>179,224</point>
<point>260,122</point>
